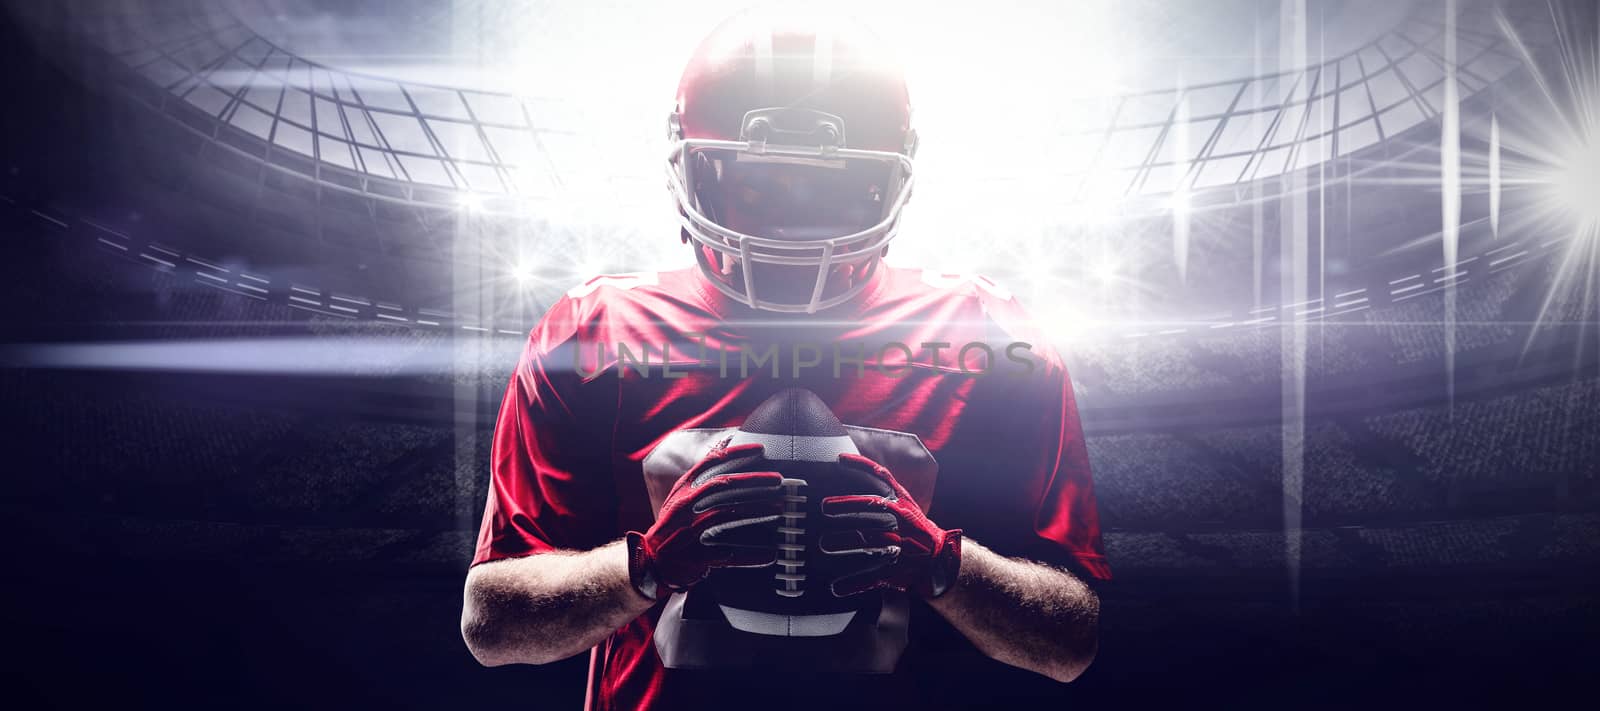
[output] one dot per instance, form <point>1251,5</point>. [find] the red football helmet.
<point>791,159</point>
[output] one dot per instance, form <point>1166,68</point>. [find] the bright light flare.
<point>522,273</point>
<point>1576,186</point>
<point>321,355</point>
<point>1105,271</point>
<point>471,202</point>
<point>1553,153</point>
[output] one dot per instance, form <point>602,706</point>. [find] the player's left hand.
<point>884,540</point>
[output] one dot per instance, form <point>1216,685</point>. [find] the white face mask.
<point>815,247</point>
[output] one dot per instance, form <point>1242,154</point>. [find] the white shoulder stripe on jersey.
<point>625,281</point>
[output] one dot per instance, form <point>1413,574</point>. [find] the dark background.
<point>224,539</point>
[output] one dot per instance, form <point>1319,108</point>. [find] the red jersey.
<point>623,361</point>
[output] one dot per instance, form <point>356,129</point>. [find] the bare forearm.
<point>1023,613</point>
<point>549,606</point>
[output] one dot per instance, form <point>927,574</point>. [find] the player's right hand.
<point>717,515</point>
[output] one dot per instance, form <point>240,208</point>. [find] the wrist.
<point>945,568</point>
<point>641,567</point>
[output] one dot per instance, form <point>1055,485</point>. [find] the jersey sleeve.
<point>550,484</point>
<point>1066,514</point>
<point>1025,486</point>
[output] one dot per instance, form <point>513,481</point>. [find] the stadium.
<point>263,307</point>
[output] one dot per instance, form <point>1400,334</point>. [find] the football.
<point>786,610</point>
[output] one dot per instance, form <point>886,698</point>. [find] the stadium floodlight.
<point>471,202</point>
<point>1552,153</point>
<point>522,273</point>
<point>1105,270</point>
<point>1575,187</point>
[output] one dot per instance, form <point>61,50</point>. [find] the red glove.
<point>893,543</point>
<point>716,516</point>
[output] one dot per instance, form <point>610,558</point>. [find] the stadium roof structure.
<point>421,143</point>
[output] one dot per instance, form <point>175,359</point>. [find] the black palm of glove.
<point>884,540</point>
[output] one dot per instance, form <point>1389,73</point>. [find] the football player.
<point>791,162</point>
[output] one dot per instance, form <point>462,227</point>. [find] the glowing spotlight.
<point>471,202</point>
<point>522,272</point>
<point>1065,324</point>
<point>1577,185</point>
<point>1105,271</point>
<point>1179,203</point>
